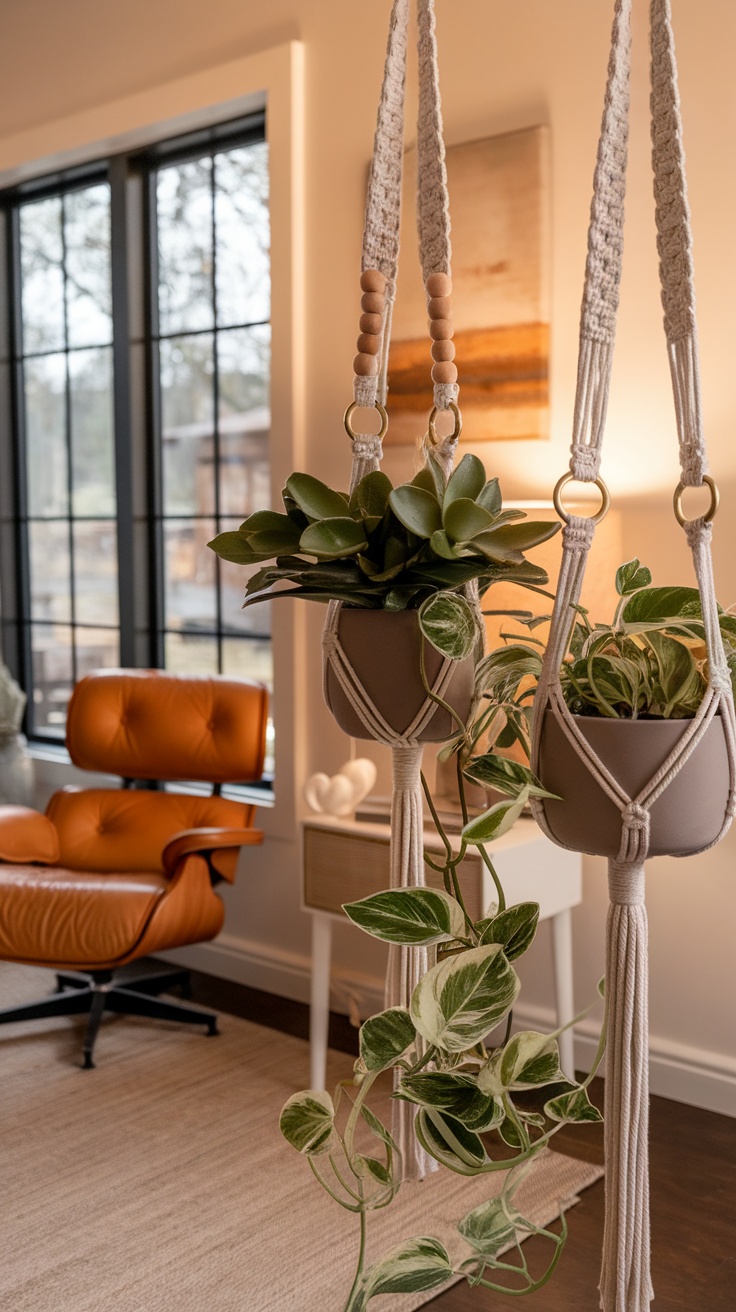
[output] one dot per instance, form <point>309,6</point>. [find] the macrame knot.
<point>693,463</point>
<point>367,446</point>
<point>578,533</point>
<point>720,679</point>
<point>634,834</point>
<point>365,391</point>
<point>446,394</point>
<point>585,462</point>
<point>626,883</point>
<point>697,532</point>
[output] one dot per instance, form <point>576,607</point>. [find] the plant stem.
<point>361,1259</point>
<point>491,868</point>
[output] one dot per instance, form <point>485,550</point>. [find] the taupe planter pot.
<point>687,817</point>
<point>383,648</point>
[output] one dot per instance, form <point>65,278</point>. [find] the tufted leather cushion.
<point>26,835</point>
<point>106,829</point>
<point>150,724</point>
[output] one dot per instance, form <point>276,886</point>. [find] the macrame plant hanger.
<point>379,267</point>
<point>625,1277</point>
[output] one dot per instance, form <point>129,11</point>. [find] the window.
<point>136,377</point>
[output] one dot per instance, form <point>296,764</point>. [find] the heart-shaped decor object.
<point>340,794</point>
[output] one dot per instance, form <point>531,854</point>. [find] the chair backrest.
<point>150,724</point>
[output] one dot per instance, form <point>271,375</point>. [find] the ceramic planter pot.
<point>686,818</point>
<point>383,648</point>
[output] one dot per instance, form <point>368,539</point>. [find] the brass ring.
<point>563,514</point>
<point>715,498</point>
<point>457,430</point>
<point>349,427</point>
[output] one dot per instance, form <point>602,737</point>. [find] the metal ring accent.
<point>715,498</point>
<point>570,478</point>
<point>349,427</point>
<point>432,431</point>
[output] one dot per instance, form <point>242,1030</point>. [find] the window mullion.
<point>122,416</point>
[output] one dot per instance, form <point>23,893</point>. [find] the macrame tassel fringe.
<point>625,1276</point>
<point>407,965</point>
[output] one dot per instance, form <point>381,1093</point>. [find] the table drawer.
<point>341,867</point>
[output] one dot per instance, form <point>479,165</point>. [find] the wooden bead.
<point>439,307</point>
<point>370,323</point>
<point>368,343</point>
<point>372,280</point>
<point>364,365</point>
<point>372,302</point>
<point>444,350</point>
<point>444,372</point>
<point>439,284</point>
<point>440,329</point>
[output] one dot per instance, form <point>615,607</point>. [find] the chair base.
<point>97,992</point>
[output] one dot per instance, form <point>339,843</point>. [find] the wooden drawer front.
<point>341,867</point>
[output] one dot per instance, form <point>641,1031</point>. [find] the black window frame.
<point>140,516</point>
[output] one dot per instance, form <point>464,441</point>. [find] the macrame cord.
<point>625,1284</point>
<point>380,253</point>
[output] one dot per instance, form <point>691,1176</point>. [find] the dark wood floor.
<point>693,1178</point>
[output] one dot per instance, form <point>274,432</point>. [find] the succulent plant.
<point>384,547</point>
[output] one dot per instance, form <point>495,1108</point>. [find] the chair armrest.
<point>27,837</point>
<point>205,842</point>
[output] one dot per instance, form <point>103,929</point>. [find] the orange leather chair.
<point>107,875</point>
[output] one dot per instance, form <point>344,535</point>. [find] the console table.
<point>344,860</point>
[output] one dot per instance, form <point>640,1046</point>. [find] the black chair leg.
<point>56,1004</point>
<point>162,982</point>
<point>131,1003</point>
<point>100,996</point>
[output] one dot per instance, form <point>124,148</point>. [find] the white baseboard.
<point>690,1075</point>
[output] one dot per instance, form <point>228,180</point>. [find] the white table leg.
<point>562,955</point>
<point>319,1003</point>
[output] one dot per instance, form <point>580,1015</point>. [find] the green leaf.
<point>490,497</point>
<point>574,1106</point>
<point>460,1000</point>
<point>411,1267</point>
<point>384,1037</point>
<point>369,1168</point>
<point>417,509</point>
<point>632,576</point>
<point>307,1121</point>
<point>510,539</point>
<point>463,519</point>
<point>449,623</point>
<point>510,777</point>
<point>487,1228</point>
<point>455,1093</point>
<point>497,820</point>
<point>236,548</point>
<point>658,604</point>
<point>316,499</point>
<point>467,481</point>
<point>529,1060</point>
<point>513,928</point>
<point>370,496</point>
<point>333,537</point>
<point>449,1142</point>
<point>418,916</point>
<point>441,545</point>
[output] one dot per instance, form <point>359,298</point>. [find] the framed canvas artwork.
<point>499,201</point>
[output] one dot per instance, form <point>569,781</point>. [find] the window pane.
<point>93,456</point>
<point>46,456</point>
<point>186,654</point>
<point>244,419</point>
<point>243,235</point>
<point>88,285</point>
<point>42,297</point>
<point>190,585</point>
<point>96,649</point>
<point>184,210</point>
<point>246,658</point>
<point>50,572</point>
<point>95,572</point>
<point>53,679</point>
<point>187,420</point>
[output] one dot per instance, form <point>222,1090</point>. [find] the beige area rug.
<point>159,1181</point>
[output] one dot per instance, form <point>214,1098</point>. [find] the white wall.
<point>505,65</point>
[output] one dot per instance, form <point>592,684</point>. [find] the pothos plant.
<point>649,662</point>
<point>486,1101</point>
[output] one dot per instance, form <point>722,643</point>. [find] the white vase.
<point>16,771</point>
